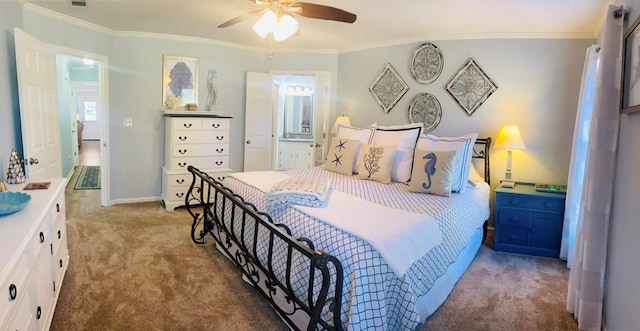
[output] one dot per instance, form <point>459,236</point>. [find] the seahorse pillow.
<point>432,172</point>
<point>342,155</point>
<point>376,163</point>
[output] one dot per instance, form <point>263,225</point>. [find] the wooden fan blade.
<point>242,18</point>
<point>312,10</point>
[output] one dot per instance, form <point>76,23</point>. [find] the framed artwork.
<point>427,63</point>
<point>388,88</point>
<point>179,79</point>
<point>630,96</point>
<point>425,108</point>
<point>470,87</point>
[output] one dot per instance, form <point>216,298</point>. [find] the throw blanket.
<point>304,191</point>
<point>401,237</point>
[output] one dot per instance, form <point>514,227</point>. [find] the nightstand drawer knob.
<point>513,237</point>
<point>546,204</point>
<point>511,201</point>
<point>513,219</point>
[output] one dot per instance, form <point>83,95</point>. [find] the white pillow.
<point>365,136</point>
<point>463,145</point>
<point>474,177</point>
<point>404,137</point>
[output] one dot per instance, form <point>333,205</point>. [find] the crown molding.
<point>159,36</point>
<point>435,37</point>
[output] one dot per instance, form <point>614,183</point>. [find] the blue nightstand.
<point>528,222</point>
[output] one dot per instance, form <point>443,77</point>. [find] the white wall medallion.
<point>427,63</point>
<point>425,108</point>
<point>388,88</point>
<point>470,87</point>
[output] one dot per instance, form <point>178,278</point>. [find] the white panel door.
<point>258,122</point>
<point>38,95</point>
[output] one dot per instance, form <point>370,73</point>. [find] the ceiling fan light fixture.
<point>286,27</point>
<point>265,24</point>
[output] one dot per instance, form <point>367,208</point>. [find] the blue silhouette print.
<point>429,168</point>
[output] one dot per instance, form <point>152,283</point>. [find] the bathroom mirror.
<point>298,114</point>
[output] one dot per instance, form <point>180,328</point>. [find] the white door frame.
<point>103,92</point>
<point>326,104</point>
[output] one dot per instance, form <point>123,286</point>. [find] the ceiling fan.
<point>276,18</point>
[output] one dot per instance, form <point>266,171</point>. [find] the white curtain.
<point>586,278</point>
<point>581,134</point>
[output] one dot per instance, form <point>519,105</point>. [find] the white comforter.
<point>401,237</point>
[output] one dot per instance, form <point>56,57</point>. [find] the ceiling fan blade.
<point>242,18</point>
<point>322,12</point>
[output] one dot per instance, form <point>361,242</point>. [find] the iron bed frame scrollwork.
<point>207,202</point>
<point>237,226</point>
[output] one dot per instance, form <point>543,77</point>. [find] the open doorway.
<point>81,104</point>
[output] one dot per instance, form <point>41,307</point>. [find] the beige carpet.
<point>134,267</point>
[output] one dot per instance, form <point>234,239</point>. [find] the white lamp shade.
<point>340,120</point>
<point>265,24</point>
<point>509,138</point>
<point>285,28</point>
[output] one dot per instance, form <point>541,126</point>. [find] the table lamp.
<point>509,138</point>
<point>340,120</point>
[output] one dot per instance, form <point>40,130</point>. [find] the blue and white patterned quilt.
<point>374,298</point>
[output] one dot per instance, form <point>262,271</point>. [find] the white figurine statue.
<point>212,87</point>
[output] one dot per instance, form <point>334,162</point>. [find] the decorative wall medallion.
<point>425,108</point>
<point>427,63</point>
<point>388,88</point>
<point>470,87</point>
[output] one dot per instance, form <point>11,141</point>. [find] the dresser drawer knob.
<point>180,195</point>
<point>57,207</point>
<point>60,263</point>
<point>182,138</point>
<point>182,151</point>
<point>513,237</point>
<point>13,292</point>
<point>513,219</point>
<point>59,234</point>
<point>220,137</point>
<point>219,150</point>
<point>546,204</point>
<point>511,201</point>
<point>221,178</point>
<point>187,125</point>
<point>41,237</point>
<point>179,181</point>
<point>182,164</point>
<point>219,163</point>
<point>38,312</point>
<point>215,125</point>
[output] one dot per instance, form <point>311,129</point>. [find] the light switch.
<point>128,121</point>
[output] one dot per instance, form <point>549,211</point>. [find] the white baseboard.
<point>133,200</point>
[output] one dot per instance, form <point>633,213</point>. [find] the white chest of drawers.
<point>33,259</point>
<point>198,139</point>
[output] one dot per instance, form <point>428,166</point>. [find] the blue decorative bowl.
<point>11,202</point>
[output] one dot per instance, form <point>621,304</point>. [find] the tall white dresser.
<point>33,259</point>
<point>197,138</point>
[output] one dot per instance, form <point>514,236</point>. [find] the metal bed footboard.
<point>271,259</point>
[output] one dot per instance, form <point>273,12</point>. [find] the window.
<point>90,111</point>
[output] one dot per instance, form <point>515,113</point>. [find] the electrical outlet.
<point>128,121</point>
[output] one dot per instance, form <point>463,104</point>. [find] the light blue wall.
<point>64,100</point>
<point>538,83</point>
<point>135,76</point>
<point>83,74</point>
<point>10,17</point>
<point>622,289</point>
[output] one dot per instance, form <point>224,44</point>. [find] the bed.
<point>321,277</point>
